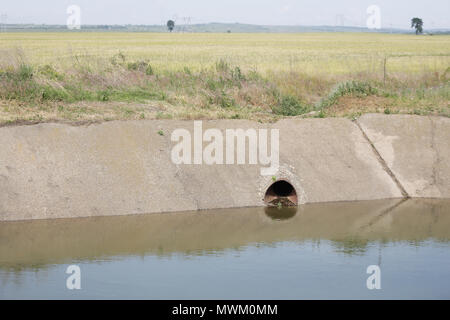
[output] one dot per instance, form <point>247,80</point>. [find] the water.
<point>314,252</point>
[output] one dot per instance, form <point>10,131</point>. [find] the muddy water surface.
<point>319,251</point>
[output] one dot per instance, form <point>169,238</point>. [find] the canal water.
<point>317,251</point>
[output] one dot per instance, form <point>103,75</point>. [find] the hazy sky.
<point>395,13</point>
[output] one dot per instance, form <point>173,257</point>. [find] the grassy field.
<point>80,77</point>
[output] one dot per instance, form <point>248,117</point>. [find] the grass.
<point>84,77</point>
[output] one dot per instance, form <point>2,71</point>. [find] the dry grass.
<point>309,53</point>
<point>84,77</point>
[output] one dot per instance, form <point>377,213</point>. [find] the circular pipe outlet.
<point>281,194</point>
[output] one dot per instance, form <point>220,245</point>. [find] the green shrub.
<point>349,88</point>
<point>149,70</point>
<point>187,71</point>
<point>50,72</point>
<point>289,106</point>
<point>446,75</point>
<point>222,66</point>
<point>225,101</point>
<point>141,66</point>
<point>237,74</point>
<point>53,94</point>
<point>118,59</point>
<point>25,72</point>
<point>103,95</point>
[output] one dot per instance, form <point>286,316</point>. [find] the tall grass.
<point>223,84</point>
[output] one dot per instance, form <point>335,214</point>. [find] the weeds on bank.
<point>238,93</point>
<point>348,88</point>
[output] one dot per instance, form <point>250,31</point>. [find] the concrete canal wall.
<point>119,168</point>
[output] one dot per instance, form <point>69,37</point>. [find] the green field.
<point>105,76</point>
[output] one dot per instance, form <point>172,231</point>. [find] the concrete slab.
<point>416,149</point>
<point>120,168</point>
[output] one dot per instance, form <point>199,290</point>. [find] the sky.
<point>394,13</point>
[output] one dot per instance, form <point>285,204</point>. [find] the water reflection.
<point>351,227</point>
<point>279,214</point>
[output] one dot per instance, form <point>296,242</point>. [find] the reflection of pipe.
<point>279,214</point>
<point>29,243</point>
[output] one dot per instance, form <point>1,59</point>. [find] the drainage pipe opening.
<point>281,194</point>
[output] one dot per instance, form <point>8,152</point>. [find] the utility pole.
<point>186,24</point>
<point>3,19</point>
<point>175,19</point>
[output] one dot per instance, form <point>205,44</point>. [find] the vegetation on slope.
<point>93,88</point>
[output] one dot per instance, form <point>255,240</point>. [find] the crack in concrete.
<point>383,162</point>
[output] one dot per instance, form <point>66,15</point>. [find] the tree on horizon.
<point>170,25</point>
<point>418,24</point>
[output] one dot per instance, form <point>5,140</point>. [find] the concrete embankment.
<point>416,149</point>
<point>120,168</point>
